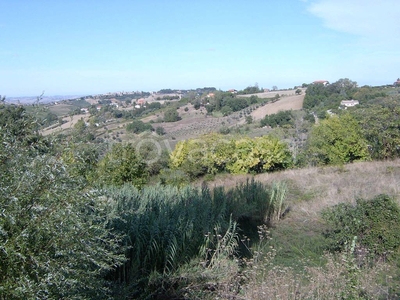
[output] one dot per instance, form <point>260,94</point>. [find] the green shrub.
<point>337,140</point>
<point>375,223</point>
<point>138,126</point>
<point>173,177</point>
<point>121,165</point>
<point>212,154</point>
<point>281,118</point>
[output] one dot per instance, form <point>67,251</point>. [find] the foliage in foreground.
<point>54,238</point>
<point>374,224</point>
<point>339,278</point>
<point>167,227</point>
<point>363,240</point>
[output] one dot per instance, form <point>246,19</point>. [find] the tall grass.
<point>167,227</point>
<point>164,226</point>
<point>257,201</point>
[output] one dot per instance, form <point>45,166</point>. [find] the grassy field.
<point>61,109</point>
<point>297,264</point>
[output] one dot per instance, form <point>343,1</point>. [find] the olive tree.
<point>54,237</point>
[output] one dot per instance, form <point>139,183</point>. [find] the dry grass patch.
<point>312,189</point>
<point>285,103</point>
<point>335,280</point>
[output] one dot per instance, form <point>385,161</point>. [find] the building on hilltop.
<point>349,103</point>
<point>140,102</point>
<point>324,82</point>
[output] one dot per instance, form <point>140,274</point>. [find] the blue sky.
<point>94,46</point>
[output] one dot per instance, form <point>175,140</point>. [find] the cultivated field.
<point>69,123</point>
<point>294,102</point>
<point>61,109</point>
<point>196,122</point>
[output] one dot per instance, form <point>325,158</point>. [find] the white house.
<point>349,103</point>
<point>324,82</point>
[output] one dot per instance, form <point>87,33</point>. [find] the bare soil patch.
<point>69,123</point>
<point>294,102</point>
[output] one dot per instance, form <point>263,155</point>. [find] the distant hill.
<point>44,99</point>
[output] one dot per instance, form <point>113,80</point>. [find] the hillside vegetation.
<point>294,205</point>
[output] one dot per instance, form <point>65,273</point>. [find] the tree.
<point>380,126</point>
<point>281,118</point>
<point>82,132</point>
<point>253,99</point>
<point>337,140</point>
<point>344,87</point>
<point>17,122</point>
<point>54,237</point>
<point>298,92</point>
<point>122,165</point>
<point>320,98</point>
<point>249,119</point>
<point>196,104</point>
<point>251,89</point>
<point>80,160</point>
<point>80,126</point>
<point>138,126</point>
<point>160,130</point>
<point>226,110</point>
<point>171,115</point>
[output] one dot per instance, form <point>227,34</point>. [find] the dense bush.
<point>138,126</point>
<point>380,126</point>
<point>214,153</point>
<point>337,140</point>
<point>375,223</point>
<point>171,115</point>
<point>121,165</point>
<point>281,118</point>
